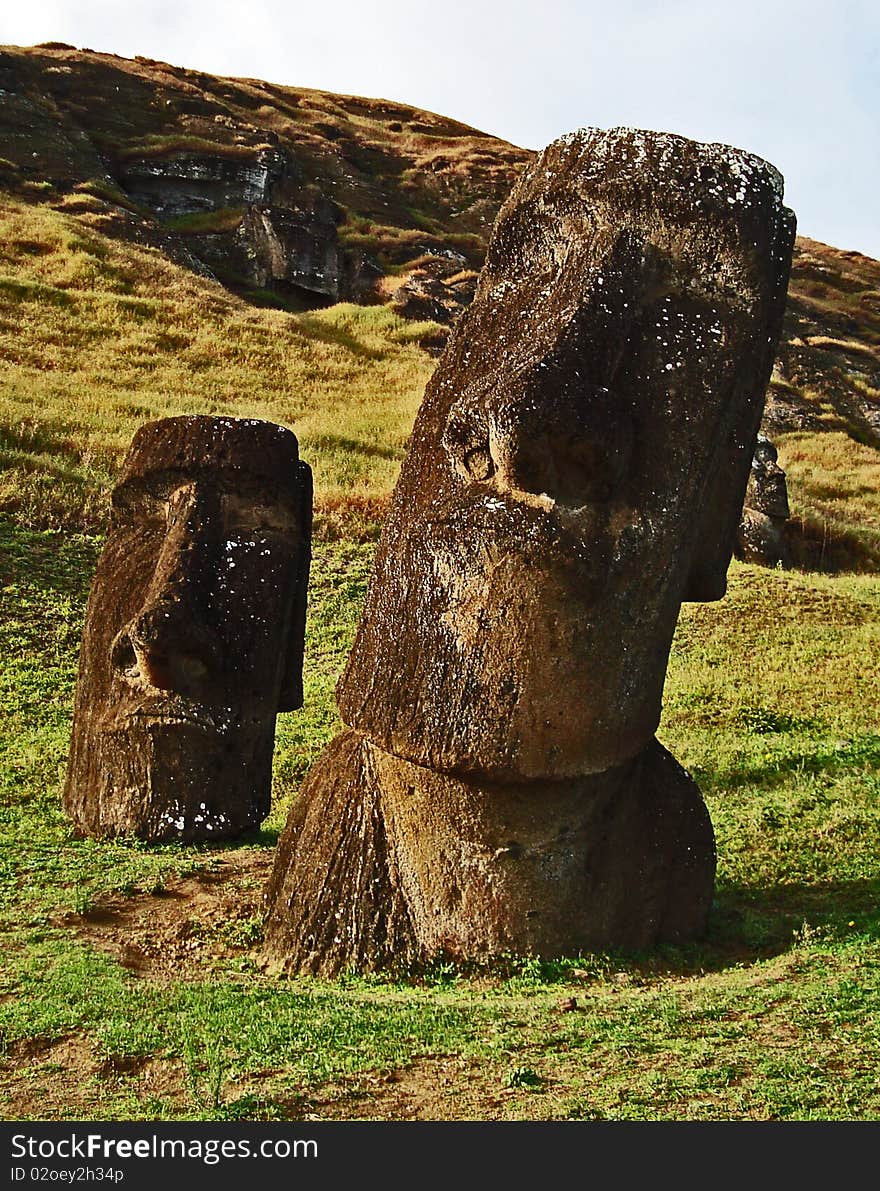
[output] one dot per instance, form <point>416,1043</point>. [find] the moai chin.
<point>576,471</point>
<point>193,638</point>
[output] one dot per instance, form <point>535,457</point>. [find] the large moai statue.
<point>576,471</point>
<point>193,638</point>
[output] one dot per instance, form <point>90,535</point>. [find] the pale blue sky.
<point>797,83</point>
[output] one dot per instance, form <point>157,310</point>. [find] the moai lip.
<point>194,632</point>
<point>575,472</point>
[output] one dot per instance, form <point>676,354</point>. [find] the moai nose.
<point>574,447</point>
<point>169,643</point>
<point>165,648</point>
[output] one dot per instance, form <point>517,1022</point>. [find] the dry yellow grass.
<point>834,485</point>
<point>845,345</point>
<point>98,335</point>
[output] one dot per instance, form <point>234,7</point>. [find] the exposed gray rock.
<point>179,184</point>
<point>285,238</point>
<point>296,247</point>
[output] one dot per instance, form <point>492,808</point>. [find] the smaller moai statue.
<point>761,534</point>
<point>194,633</point>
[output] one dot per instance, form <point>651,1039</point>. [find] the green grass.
<point>166,144</point>
<point>773,1015</point>
<point>226,219</point>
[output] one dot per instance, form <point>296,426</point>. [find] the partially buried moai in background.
<point>761,537</point>
<point>575,472</point>
<point>193,639</point>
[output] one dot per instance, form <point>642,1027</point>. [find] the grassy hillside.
<point>405,179</point>
<point>105,320</point>
<point>823,407</point>
<point>99,335</point>
<point>131,985</point>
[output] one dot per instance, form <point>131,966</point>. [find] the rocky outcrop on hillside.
<point>251,221</point>
<point>312,197</point>
<point>189,183</point>
<point>438,288</point>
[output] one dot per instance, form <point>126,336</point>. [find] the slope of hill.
<point>98,335</point>
<point>829,362</point>
<point>141,197</point>
<point>346,190</point>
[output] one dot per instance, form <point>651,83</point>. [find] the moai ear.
<point>290,696</point>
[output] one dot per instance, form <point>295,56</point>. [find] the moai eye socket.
<point>258,513</point>
<point>135,504</point>
<point>573,446</point>
<point>466,441</point>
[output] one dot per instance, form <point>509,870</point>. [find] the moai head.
<point>767,490</point>
<point>761,537</point>
<point>578,465</point>
<point>194,632</point>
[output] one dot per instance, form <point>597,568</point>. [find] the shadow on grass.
<point>834,757</point>
<point>337,337</point>
<point>746,925</point>
<point>49,560</point>
<point>815,544</point>
<point>752,923</point>
<point>42,449</point>
<point>336,442</point>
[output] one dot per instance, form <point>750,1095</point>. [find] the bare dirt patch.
<point>189,926</point>
<point>434,1088</point>
<point>67,1079</point>
<point>182,931</point>
<point>424,1090</point>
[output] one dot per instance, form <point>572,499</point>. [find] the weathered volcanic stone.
<point>578,464</point>
<point>385,864</point>
<point>298,247</point>
<point>761,535</point>
<point>193,638</point>
<point>576,471</point>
